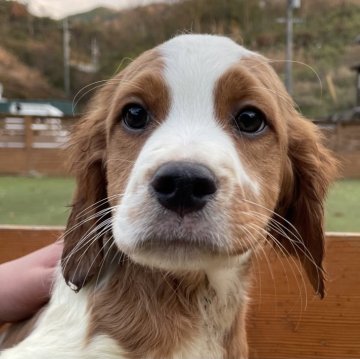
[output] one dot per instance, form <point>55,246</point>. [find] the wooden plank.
<point>28,133</point>
<point>17,241</point>
<point>13,160</point>
<point>285,319</point>
<point>49,161</point>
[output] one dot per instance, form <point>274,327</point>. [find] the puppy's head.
<point>192,156</point>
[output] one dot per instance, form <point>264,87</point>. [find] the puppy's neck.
<point>155,314</point>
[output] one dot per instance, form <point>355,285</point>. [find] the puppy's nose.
<point>183,187</point>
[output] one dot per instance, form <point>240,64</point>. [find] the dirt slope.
<point>21,81</point>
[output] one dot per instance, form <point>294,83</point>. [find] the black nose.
<point>183,187</point>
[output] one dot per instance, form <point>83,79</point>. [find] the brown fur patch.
<point>152,314</point>
<point>142,82</point>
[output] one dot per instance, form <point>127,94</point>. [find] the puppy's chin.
<point>180,256</point>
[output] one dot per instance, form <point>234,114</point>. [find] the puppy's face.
<point>201,156</point>
<point>204,142</point>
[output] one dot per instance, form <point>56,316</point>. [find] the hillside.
<point>21,81</point>
<point>324,42</point>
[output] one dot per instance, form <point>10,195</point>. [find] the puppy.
<point>188,163</point>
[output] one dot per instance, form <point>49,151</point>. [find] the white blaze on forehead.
<point>193,64</point>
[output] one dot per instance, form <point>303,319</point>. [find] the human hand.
<point>25,283</point>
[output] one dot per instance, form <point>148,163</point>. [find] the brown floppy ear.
<point>88,222</point>
<point>308,172</point>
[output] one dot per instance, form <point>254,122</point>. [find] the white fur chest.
<point>62,329</point>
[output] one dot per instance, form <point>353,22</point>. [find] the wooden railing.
<point>33,144</point>
<point>285,319</point>
<point>343,138</point>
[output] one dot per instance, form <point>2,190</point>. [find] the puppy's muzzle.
<point>183,187</point>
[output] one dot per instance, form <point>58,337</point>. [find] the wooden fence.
<point>344,139</point>
<point>34,144</point>
<point>285,320</point>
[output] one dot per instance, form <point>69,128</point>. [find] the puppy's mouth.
<point>162,239</point>
<point>194,242</point>
<point>178,244</point>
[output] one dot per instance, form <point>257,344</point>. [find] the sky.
<point>58,9</point>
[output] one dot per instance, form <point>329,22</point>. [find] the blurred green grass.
<point>35,201</point>
<point>44,201</point>
<point>343,207</point>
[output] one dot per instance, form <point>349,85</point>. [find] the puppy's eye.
<point>250,120</point>
<point>135,117</point>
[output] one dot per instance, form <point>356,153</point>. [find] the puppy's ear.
<point>309,170</point>
<point>88,222</point>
